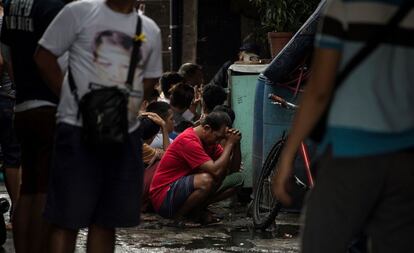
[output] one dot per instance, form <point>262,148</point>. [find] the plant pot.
<point>277,41</point>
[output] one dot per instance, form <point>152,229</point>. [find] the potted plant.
<point>281,18</point>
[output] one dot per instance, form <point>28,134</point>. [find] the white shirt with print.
<point>99,42</point>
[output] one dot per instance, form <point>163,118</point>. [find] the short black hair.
<point>154,95</point>
<point>160,108</point>
<point>167,80</point>
<point>189,69</point>
<point>216,120</point>
<point>182,96</point>
<point>148,128</point>
<point>226,109</point>
<point>183,125</point>
<point>213,95</point>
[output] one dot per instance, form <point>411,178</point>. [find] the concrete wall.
<point>159,11</point>
<point>190,31</point>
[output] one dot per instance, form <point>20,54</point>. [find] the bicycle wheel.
<point>265,206</point>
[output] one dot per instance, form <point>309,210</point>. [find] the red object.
<point>305,155</point>
<point>182,158</point>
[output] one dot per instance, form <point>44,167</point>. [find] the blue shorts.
<point>178,193</point>
<point>89,186</point>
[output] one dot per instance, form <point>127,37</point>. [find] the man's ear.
<point>207,127</point>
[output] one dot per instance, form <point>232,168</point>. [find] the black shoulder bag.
<point>319,130</point>
<point>104,111</point>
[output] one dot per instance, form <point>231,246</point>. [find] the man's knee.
<point>205,182</point>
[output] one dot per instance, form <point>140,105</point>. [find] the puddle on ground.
<point>235,237</point>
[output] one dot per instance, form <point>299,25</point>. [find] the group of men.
<point>66,184</point>
<point>363,186</point>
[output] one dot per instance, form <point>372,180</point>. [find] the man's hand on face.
<point>233,135</point>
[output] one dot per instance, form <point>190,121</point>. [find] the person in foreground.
<point>364,179</point>
<point>97,185</point>
<point>193,168</point>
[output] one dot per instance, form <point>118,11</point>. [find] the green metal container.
<point>242,85</point>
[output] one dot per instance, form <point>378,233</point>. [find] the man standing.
<point>10,147</point>
<point>365,181</point>
<point>93,187</point>
<point>23,25</point>
<point>193,169</point>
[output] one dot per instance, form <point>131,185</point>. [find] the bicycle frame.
<point>303,150</point>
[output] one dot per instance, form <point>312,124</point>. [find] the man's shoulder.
<point>188,137</point>
<point>81,8</point>
<point>149,23</point>
<point>187,134</point>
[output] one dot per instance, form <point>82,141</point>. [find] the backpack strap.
<point>135,55</point>
<point>374,42</point>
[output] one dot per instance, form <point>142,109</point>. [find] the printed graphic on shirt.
<point>18,18</point>
<point>111,56</point>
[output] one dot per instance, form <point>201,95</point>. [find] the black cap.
<point>250,47</point>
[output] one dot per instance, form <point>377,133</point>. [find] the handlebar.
<point>281,101</point>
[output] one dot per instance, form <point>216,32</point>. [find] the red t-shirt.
<point>185,155</point>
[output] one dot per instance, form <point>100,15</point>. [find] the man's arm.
<point>159,121</point>
<point>149,84</point>
<point>49,69</point>
<point>6,61</point>
<point>315,100</point>
<point>218,168</point>
<point>235,161</point>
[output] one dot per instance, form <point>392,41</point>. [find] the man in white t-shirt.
<point>96,188</point>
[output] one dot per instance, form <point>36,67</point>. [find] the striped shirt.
<point>372,112</point>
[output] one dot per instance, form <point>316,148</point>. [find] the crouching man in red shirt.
<point>194,166</point>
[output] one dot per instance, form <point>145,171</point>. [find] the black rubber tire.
<point>260,220</point>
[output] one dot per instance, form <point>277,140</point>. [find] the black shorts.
<point>35,131</point>
<point>178,193</point>
<point>10,147</point>
<point>89,186</point>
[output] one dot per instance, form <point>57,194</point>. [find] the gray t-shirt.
<point>6,85</point>
<point>99,42</point>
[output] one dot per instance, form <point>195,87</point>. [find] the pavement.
<point>233,234</point>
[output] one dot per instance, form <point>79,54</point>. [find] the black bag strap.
<point>374,42</point>
<point>135,55</point>
<point>72,85</point>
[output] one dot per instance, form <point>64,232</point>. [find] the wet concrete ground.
<point>233,234</point>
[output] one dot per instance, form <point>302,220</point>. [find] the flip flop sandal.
<point>209,219</point>
<point>184,224</point>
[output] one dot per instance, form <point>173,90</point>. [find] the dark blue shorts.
<point>89,186</point>
<point>10,148</point>
<point>178,193</point>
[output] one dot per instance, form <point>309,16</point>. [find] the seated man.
<point>150,126</point>
<point>249,52</point>
<point>193,168</point>
<point>182,96</point>
<point>192,74</point>
<point>211,96</point>
<point>163,110</point>
<point>167,81</point>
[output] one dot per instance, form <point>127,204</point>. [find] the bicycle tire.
<point>263,220</point>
